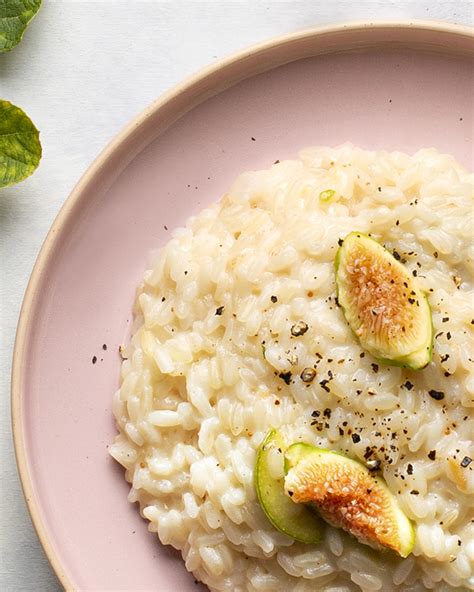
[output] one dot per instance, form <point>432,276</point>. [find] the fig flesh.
<point>382,303</point>
<point>348,496</point>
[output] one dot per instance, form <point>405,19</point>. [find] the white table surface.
<point>83,70</point>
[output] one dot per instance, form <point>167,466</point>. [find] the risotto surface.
<point>214,363</point>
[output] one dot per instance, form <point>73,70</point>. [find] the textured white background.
<point>82,71</point>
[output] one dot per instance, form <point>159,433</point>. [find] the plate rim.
<point>93,171</point>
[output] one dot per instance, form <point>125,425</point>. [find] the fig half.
<point>295,520</point>
<point>382,303</point>
<point>348,496</point>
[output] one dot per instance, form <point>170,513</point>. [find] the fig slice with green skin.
<point>348,496</point>
<point>382,303</point>
<point>295,520</point>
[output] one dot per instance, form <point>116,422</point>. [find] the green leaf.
<point>14,18</point>
<point>20,147</point>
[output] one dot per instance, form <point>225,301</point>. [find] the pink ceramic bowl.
<point>399,86</point>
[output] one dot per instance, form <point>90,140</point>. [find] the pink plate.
<point>399,86</point>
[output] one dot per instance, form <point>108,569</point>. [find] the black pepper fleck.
<point>368,452</point>
<point>323,385</point>
<point>299,328</point>
<point>436,395</point>
<point>466,461</point>
<point>308,374</point>
<point>219,311</point>
<point>373,465</point>
<point>285,376</point>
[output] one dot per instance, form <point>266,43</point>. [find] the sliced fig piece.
<point>382,303</point>
<point>295,520</point>
<point>348,496</point>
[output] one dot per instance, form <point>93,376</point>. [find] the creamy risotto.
<point>214,363</point>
